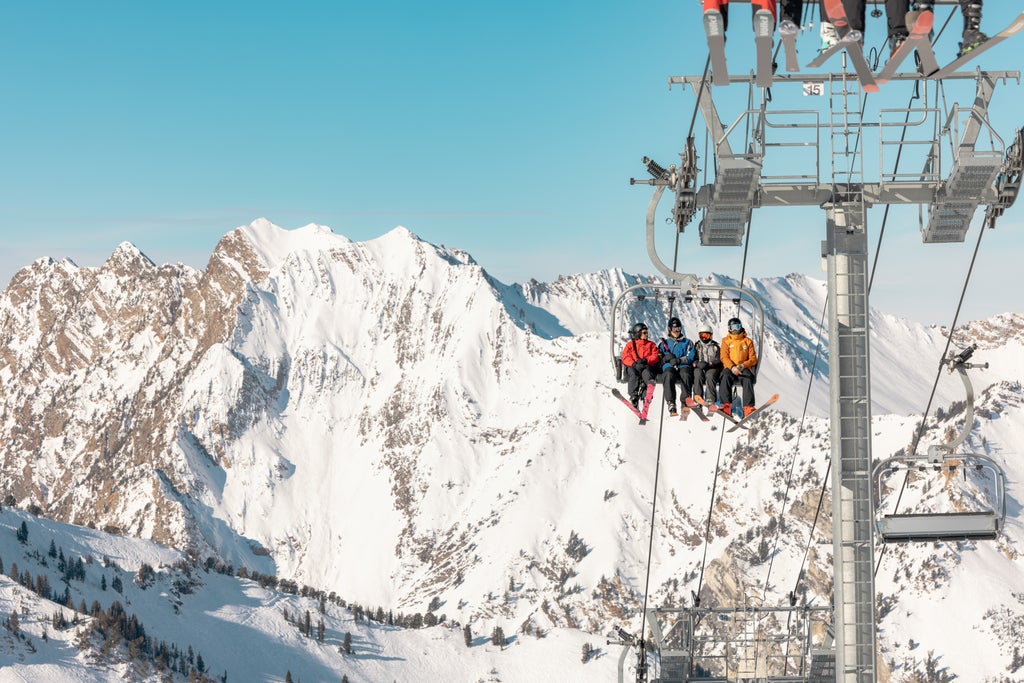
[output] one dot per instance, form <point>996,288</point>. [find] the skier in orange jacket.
<point>739,358</point>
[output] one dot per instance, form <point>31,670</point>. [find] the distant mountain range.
<point>384,423</point>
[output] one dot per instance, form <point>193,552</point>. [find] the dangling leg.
<point>896,16</point>
<point>721,6</point>
<point>829,37</point>
<point>756,5</point>
<point>792,10</point>
<point>972,36</point>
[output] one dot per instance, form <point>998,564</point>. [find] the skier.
<point>738,360</point>
<point>708,365</point>
<point>791,9</point>
<point>677,356</point>
<point>640,358</point>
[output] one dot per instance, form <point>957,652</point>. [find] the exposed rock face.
<point>385,419</point>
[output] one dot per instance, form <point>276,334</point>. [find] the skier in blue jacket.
<point>677,356</point>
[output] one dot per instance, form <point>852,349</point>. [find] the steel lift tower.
<point>740,184</point>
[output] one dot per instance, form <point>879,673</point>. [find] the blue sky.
<point>509,130</point>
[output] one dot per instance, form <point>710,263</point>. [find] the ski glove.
<point>640,364</point>
<point>674,362</point>
<point>701,364</point>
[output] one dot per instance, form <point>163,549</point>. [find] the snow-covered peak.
<point>273,244</point>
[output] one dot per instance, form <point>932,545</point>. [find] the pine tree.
<point>307,625</point>
<point>288,677</point>
<point>320,630</point>
<point>347,643</point>
<point>103,582</point>
<point>22,533</point>
<point>116,584</point>
<point>498,636</point>
<point>467,634</point>
<point>53,549</point>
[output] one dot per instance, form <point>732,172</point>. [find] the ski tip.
<point>870,87</point>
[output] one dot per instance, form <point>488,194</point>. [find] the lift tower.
<point>975,177</point>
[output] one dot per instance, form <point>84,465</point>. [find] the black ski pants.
<point>895,14</point>
<point>682,374</point>
<point>705,380</point>
<point>746,381</point>
<point>638,381</point>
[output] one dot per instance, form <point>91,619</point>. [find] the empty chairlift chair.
<point>983,523</point>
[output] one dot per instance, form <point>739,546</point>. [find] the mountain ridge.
<point>252,410</point>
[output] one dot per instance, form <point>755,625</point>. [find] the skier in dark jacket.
<point>677,356</point>
<point>708,366</point>
<point>641,359</point>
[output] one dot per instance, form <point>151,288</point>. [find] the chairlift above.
<point>981,524</point>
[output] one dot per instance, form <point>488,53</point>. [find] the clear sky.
<point>509,130</point>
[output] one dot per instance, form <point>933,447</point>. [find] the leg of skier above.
<point>720,6</point>
<point>896,17</point>
<point>972,35</point>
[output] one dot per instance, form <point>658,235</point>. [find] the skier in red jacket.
<point>641,359</point>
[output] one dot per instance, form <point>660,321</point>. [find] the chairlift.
<point>981,524</point>
<point>672,293</point>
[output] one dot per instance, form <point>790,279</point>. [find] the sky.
<point>509,130</point>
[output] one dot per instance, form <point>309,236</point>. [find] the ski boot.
<point>972,38</point>
<point>829,35</point>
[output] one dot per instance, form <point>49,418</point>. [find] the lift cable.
<point>789,481</point>
<point>657,462</point>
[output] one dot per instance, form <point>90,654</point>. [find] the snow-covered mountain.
<point>385,421</point>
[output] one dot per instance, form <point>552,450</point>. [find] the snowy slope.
<point>384,420</point>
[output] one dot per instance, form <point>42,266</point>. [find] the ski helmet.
<point>675,322</point>
<point>634,332</point>
<point>735,325</point>
<point>704,329</point>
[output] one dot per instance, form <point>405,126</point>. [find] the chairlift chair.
<point>672,293</point>
<point>980,524</point>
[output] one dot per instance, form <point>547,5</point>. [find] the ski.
<point>824,55</point>
<point>697,409</point>
<point>714,28</point>
<point>618,394</point>
<point>764,27</point>
<point>917,40</point>
<point>742,422</point>
<point>850,41</point>
<point>647,403</point>
<point>837,15</point>
<point>715,411</point>
<point>1010,30</point>
<point>788,31</point>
